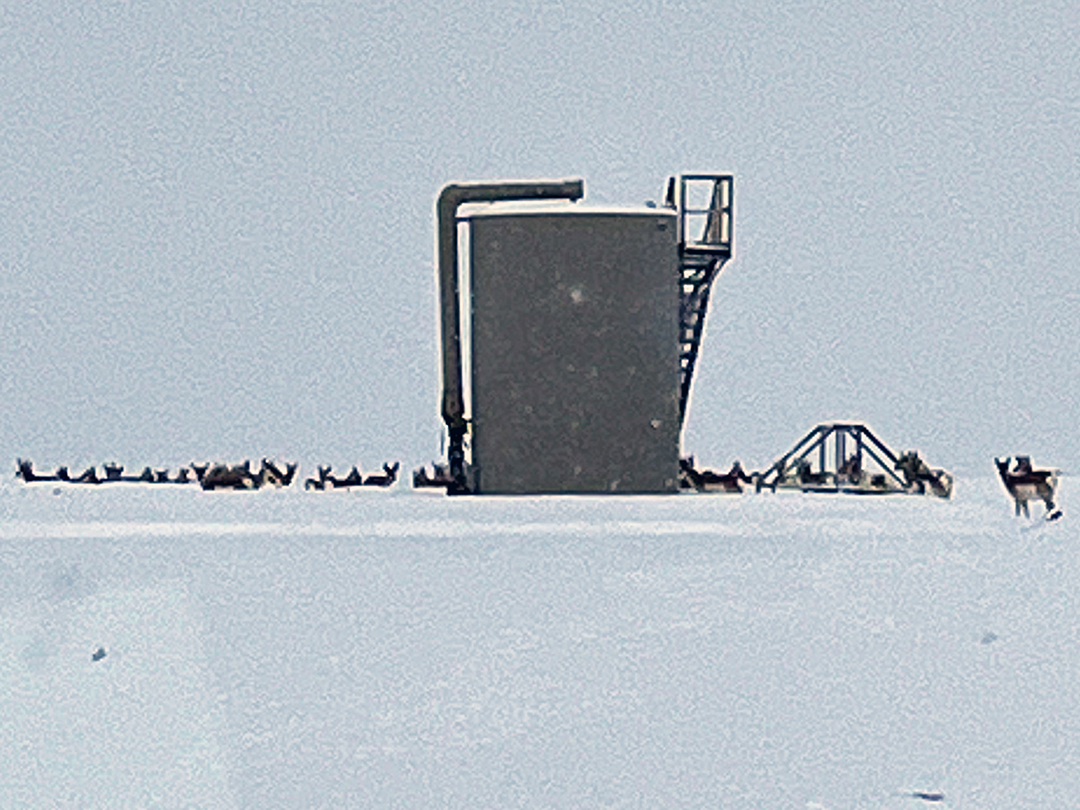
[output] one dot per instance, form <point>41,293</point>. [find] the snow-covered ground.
<point>408,650</point>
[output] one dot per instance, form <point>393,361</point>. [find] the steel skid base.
<point>848,458</point>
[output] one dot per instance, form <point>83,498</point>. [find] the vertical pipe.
<point>451,197</point>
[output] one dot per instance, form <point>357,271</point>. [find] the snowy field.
<point>407,650</point>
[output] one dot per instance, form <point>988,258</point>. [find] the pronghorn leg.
<point>1046,492</point>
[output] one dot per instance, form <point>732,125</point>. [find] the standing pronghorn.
<point>1027,484</point>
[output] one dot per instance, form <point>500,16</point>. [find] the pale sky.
<point>217,229</point>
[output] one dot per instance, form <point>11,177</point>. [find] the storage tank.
<point>581,332</point>
<point>574,349</point>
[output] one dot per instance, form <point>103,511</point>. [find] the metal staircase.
<point>704,203</point>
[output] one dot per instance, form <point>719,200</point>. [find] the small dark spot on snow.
<point>98,654</point>
<point>988,638</point>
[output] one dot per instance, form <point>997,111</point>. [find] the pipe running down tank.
<point>451,197</point>
<point>582,325</point>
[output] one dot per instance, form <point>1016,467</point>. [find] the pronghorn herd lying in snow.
<point>1023,482</point>
<point>210,476</point>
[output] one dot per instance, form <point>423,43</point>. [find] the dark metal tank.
<point>574,349</point>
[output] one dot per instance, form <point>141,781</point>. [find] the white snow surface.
<point>407,650</point>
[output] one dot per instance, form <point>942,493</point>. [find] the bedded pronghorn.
<point>323,479</point>
<point>26,473</point>
<point>327,479</point>
<point>389,476</point>
<point>711,481</point>
<point>240,476</point>
<point>355,478</point>
<point>918,476</point>
<point>275,476</point>
<point>1027,484</point>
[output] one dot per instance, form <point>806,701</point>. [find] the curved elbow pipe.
<point>452,196</point>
